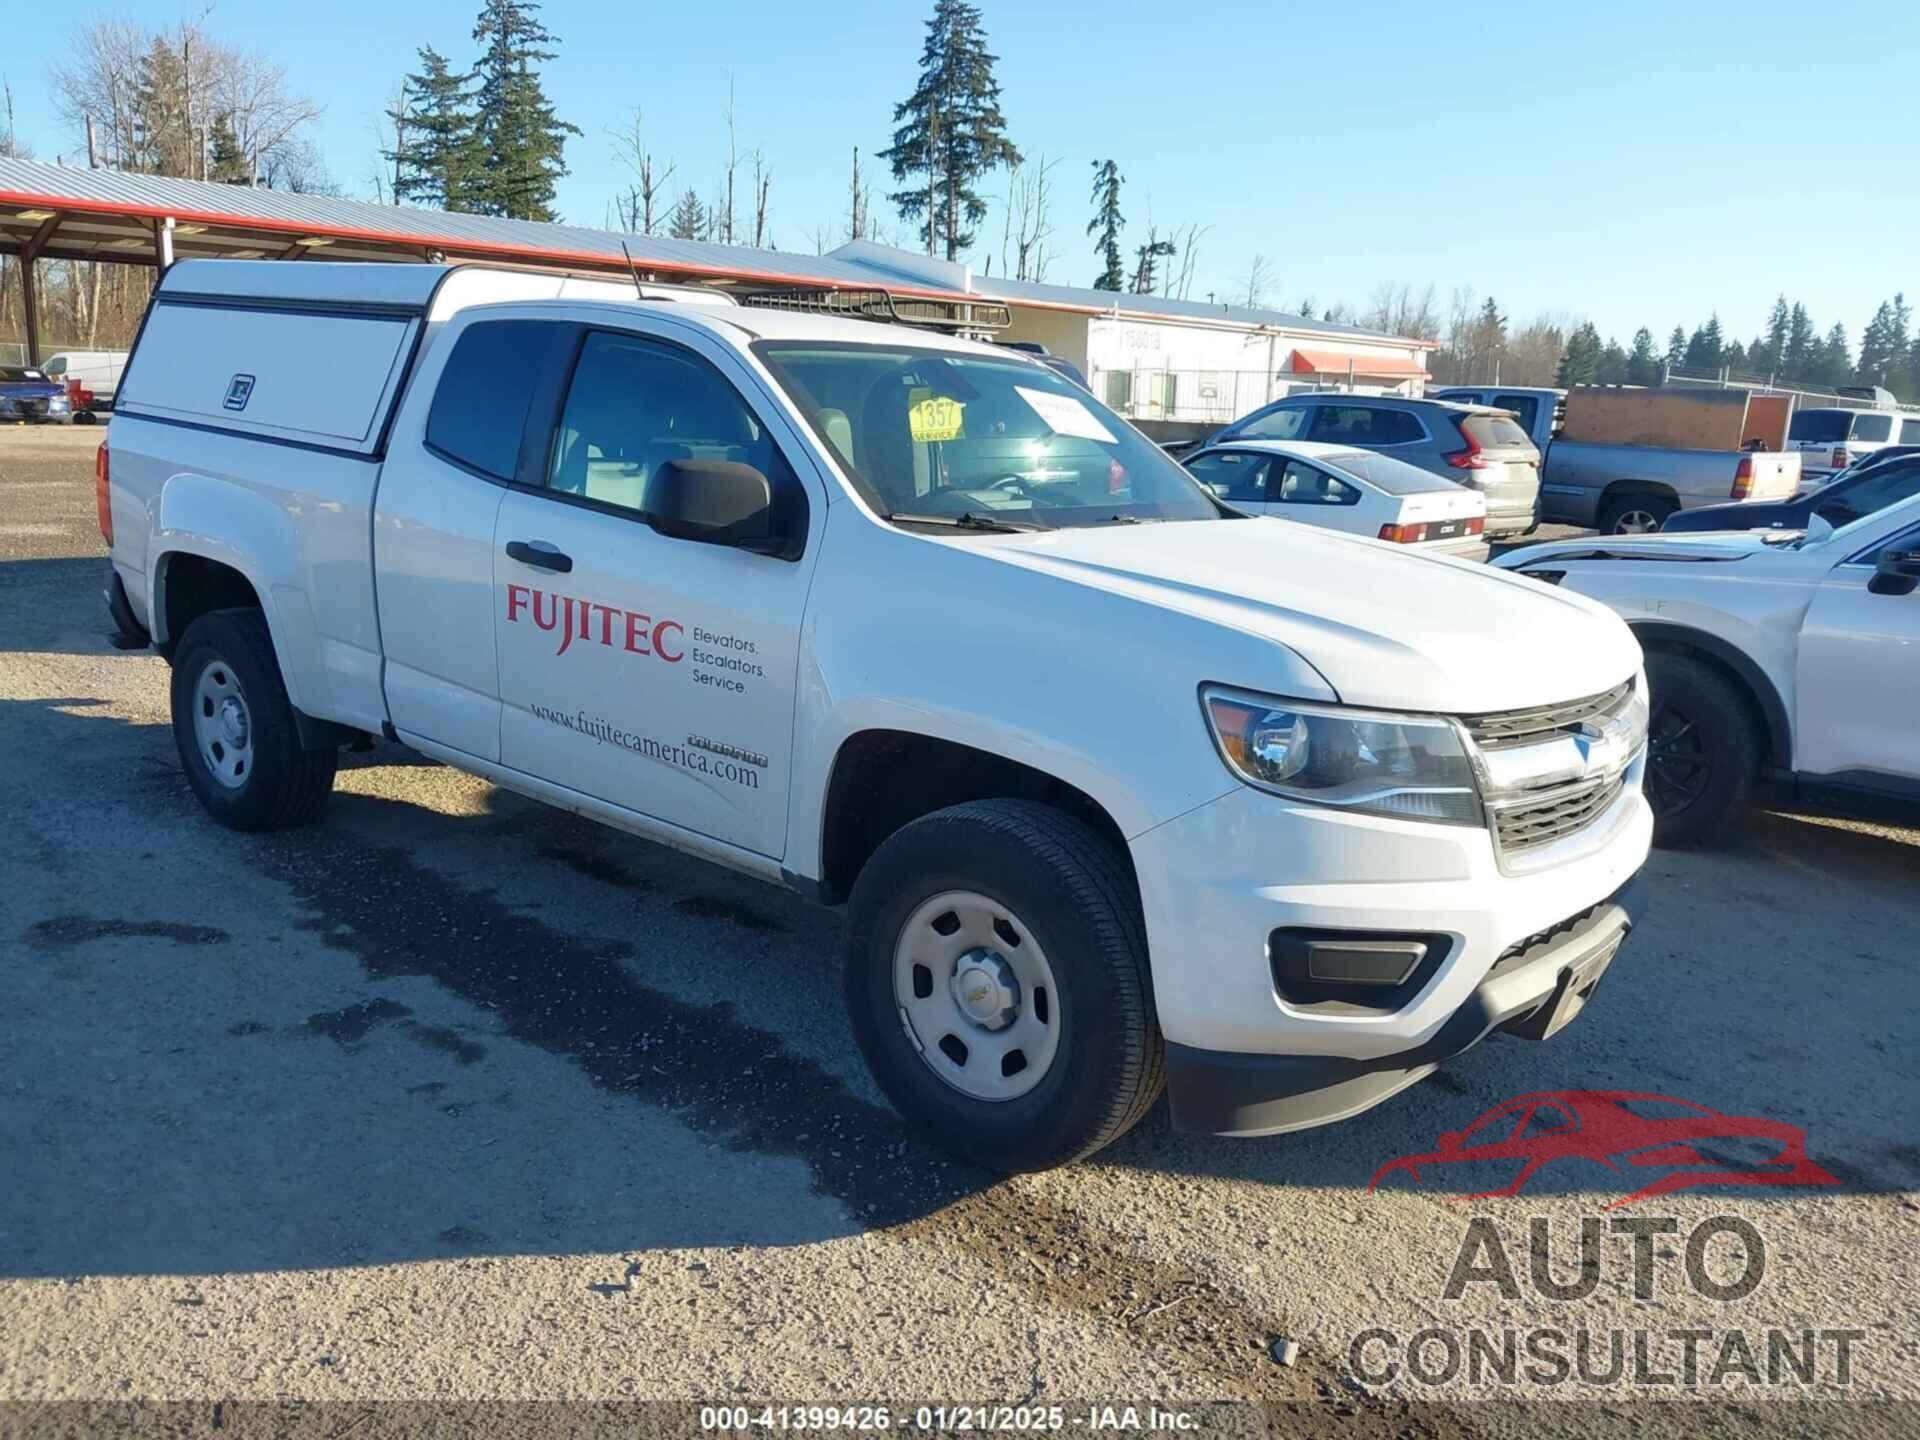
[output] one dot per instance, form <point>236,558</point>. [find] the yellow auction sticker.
<point>935,417</point>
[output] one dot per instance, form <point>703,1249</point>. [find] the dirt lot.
<point>452,1096</point>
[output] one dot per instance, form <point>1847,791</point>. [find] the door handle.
<point>540,555</point>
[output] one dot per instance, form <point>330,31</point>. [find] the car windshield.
<point>1845,535</point>
<point>939,435</point>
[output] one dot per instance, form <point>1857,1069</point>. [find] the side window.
<point>1303,484</point>
<point>1279,425</point>
<point>1872,427</point>
<point>1910,432</point>
<point>637,404</point>
<point>1527,407</point>
<point>1233,475</point>
<point>1876,491</point>
<point>480,410</point>
<point>57,366</point>
<point>1547,1119</point>
<point>1365,426</point>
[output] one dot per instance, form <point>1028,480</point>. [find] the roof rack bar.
<point>957,316</point>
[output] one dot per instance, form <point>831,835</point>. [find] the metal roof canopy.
<point>50,212</point>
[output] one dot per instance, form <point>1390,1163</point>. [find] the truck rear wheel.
<point>1635,514</point>
<point>998,985</point>
<point>1702,753</point>
<point>234,727</point>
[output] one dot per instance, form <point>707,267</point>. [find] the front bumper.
<point>1535,988</point>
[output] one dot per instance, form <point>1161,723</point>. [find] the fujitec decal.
<point>574,619</point>
<point>1626,1131</point>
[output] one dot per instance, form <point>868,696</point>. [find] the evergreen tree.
<point>226,161</point>
<point>1677,348</point>
<point>689,219</point>
<point>1779,324</point>
<point>520,140</point>
<point>1613,364</point>
<point>1833,359</point>
<point>1643,365</point>
<point>1733,359</point>
<point>1581,364</point>
<point>1704,348</point>
<point>1146,269</point>
<point>437,158</point>
<point>1802,354</point>
<point>1106,224</point>
<point>950,131</point>
<point>1876,347</point>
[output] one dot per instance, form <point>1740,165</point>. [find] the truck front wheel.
<point>998,985</point>
<point>234,727</point>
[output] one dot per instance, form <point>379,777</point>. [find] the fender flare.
<point>1773,710</point>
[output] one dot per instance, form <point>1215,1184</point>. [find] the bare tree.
<point>1259,276</point>
<point>859,200</point>
<point>762,182</point>
<point>1186,245</point>
<point>638,208</point>
<point>725,218</point>
<point>1024,252</point>
<point>251,92</point>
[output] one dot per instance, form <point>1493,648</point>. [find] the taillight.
<point>1840,457</point>
<point>1477,525</point>
<point>1404,534</point>
<point>103,493</point>
<point>1743,479</point>
<point>1469,458</point>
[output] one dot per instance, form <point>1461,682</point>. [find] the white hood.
<point>1386,628</point>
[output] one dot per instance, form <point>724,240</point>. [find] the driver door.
<point>1858,681</point>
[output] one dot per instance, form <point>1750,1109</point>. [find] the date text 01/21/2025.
<point>944,1418</point>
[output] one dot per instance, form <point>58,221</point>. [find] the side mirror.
<point>1898,573</point>
<point>713,502</point>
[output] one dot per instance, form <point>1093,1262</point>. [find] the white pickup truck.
<point>1115,783</point>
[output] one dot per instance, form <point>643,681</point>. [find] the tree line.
<point>482,136</point>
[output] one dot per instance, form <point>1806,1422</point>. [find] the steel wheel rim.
<point>1679,765</point>
<point>1636,522</point>
<point>223,725</point>
<point>976,996</point>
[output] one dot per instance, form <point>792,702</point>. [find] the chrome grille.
<point>1533,821</point>
<point>1504,728</point>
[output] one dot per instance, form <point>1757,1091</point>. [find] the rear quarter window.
<point>1365,426</point>
<point>1872,427</point>
<point>480,407</point>
<point>1910,432</point>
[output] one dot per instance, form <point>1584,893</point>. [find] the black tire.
<point>1703,750</point>
<point>285,784</point>
<point>1619,508</point>
<point>1075,892</point>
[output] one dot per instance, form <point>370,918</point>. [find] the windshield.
<point>931,434</point>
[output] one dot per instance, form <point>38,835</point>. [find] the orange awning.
<point>1327,362</point>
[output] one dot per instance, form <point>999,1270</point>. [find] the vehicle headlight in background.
<point>1409,767</point>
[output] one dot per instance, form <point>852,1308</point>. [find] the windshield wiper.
<point>965,520</point>
<point>1128,520</point>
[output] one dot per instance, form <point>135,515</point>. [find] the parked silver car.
<point>1473,445</point>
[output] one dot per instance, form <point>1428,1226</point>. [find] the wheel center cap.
<point>233,722</point>
<point>985,989</point>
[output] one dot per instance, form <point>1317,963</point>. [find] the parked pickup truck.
<point>1117,786</point>
<point>1629,489</point>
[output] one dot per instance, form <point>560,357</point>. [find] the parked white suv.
<point>1830,438</point>
<point>1790,657</point>
<point>1115,784</point>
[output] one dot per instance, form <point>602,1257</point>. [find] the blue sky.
<point>1638,163</point>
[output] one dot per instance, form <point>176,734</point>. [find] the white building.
<point>1156,359</point>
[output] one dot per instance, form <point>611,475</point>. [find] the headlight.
<point>1410,767</point>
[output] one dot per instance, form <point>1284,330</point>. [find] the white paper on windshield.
<point>1065,415</point>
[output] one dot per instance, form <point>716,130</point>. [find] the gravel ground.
<point>451,1096</point>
